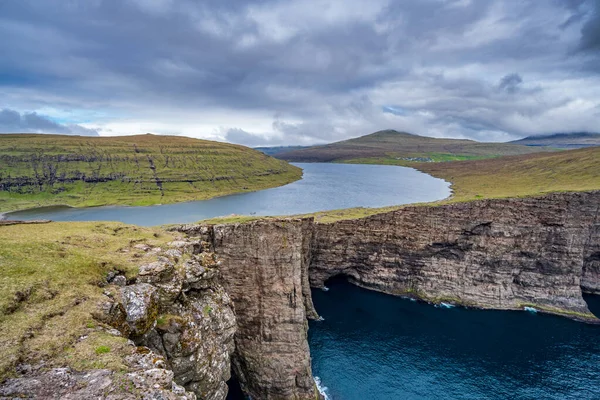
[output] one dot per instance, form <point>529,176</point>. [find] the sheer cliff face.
<point>502,254</point>
<point>264,270</point>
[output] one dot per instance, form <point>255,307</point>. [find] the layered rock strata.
<point>501,254</point>
<point>265,271</point>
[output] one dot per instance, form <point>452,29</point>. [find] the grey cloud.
<point>327,69</point>
<point>12,121</point>
<point>510,83</point>
<point>590,33</point>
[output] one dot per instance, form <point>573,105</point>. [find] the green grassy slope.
<point>400,146</point>
<point>40,170</point>
<point>524,175</point>
<point>52,278</point>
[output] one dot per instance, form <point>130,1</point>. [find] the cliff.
<point>502,254</point>
<point>498,254</point>
<point>216,299</point>
<point>265,271</point>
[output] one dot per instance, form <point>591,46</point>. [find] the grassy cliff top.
<point>517,176</point>
<point>41,170</point>
<point>403,147</point>
<point>50,279</point>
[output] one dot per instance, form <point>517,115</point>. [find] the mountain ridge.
<point>391,144</point>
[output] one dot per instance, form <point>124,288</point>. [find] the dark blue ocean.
<point>375,346</point>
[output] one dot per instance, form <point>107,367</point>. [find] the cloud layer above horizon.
<point>273,72</point>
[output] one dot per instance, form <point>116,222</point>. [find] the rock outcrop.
<point>179,310</point>
<point>237,296</point>
<point>265,271</point>
<point>147,379</point>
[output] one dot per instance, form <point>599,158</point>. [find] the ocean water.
<point>323,187</point>
<point>375,346</point>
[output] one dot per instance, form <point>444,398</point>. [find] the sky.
<point>300,72</point>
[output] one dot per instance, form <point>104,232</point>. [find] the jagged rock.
<point>119,280</point>
<point>164,276</point>
<point>112,313</point>
<point>194,331</point>
<point>63,383</point>
<point>174,254</point>
<point>141,306</point>
<point>502,254</point>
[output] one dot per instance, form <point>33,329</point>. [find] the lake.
<point>375,346</point>
<point>323,187</point>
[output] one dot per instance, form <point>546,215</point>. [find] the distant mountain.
<point>394,146</point>
<point>573,140</point>
<point>271,151</point>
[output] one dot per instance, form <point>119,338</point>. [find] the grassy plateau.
<point>51,277</point>
<point>43,170</point>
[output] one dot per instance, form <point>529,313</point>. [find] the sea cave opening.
<point>593,302</point>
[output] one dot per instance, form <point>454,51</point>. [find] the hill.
<point>393,145</point>
<point>523,175</point>
<point>40,170</point>
<point>562,140</point>
<point>272,151</point>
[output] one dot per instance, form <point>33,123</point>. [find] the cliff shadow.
<point>235,390</point>
<point>593,302</point>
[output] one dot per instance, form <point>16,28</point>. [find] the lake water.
<point>375,346</point>
<point>323,187</point>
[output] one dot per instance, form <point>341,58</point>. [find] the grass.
<point>50,279</point>
<point>389,146</point>
<point>519,176</point>
<point>43,170</point>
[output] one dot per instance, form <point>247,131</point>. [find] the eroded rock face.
<point>179,309</point>
<point>501,254</point>
<point>265,271</point>
<point>148,379</point>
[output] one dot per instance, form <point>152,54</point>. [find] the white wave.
<point>530,309</point>
<point>322,389</point>
<point>445,305</point>
<point>320,318</point>
<point>325,289</point>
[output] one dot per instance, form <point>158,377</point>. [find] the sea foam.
<point>322,389</point>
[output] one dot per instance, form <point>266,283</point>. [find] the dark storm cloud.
<point>12,121</point>
<point>327,69</point>
<point>590,39</point>
<point>511,82</point>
